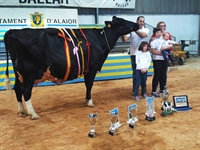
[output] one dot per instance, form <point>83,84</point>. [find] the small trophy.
<point>114,118</point>
<point>132,115</point>
<point>150,109</point>
<point>166,105</point>
<point>92,120</point>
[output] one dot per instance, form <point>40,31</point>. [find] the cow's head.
<point>123,24</point>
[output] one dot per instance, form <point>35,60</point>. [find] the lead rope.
<point>106,39</point>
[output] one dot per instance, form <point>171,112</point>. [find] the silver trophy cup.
<point>133,112</point>
<point>165,96</point>
<point>92,118</point>
<point>113,119</point>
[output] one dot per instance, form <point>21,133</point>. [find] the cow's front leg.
<point>89,79</point>
<point>31,110</point>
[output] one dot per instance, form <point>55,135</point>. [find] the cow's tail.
<point>7,80</point>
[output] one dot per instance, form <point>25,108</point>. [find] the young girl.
<point>143,60</point>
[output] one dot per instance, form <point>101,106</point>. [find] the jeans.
<point>133,64</point>
<point>169,55</point>
<point>141,79</point>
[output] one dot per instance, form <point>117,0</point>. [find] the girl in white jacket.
<point>143,59</point>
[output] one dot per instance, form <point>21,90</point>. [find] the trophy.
<point>132,115</point>
<point>150,109</point>
<point>92,120</point>
<point>113,119</point>
<point>165,98</point>
<point>166,105</point>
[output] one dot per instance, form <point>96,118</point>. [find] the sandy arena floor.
<point>64,125</point>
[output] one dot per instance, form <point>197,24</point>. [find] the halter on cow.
<point>59,55</point>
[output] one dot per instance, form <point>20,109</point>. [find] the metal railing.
<point>120,46</point>
<point>191,46</point>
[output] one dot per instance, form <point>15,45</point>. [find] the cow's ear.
<point>108,23</point>
<point>114,17</point>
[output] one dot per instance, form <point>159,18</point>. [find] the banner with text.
<point>17,18</point>
<point>130,4</point>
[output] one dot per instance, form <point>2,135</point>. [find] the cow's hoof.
<point>34,117</point>
<point>90,103</point>
<point>23,114</point>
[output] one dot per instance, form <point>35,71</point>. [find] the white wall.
<point>183,27</point>
<point>86,19</point>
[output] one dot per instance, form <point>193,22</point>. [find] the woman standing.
<point>159,64</point>
<point>162,26</point>
<point>142,61</point>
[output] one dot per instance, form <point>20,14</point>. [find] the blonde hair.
<point>159,23</point>
<point>165,33</point>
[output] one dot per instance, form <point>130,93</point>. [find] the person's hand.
<point>143,70</point>
<point>124,38</point>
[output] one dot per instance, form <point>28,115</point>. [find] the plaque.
<point>181,103</point>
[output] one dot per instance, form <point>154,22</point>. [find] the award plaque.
<point>150,109</point>
<point>132,115</point>
<point>181,103</point>
<point>92,120</point>
<point>114,119</point>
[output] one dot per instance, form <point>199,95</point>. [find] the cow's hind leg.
<point>27,97</point>
<point>89,79</point>
<point>17,88</point>
<point>25,89</point>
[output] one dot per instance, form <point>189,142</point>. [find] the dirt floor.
<point>64,124</point>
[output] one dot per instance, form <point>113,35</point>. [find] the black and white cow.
<point>59,55</point>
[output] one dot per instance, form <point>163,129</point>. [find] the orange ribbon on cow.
<point>67,54</point>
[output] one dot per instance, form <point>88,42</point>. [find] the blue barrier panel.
<point>2,32</point>
<point>116,66</point>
